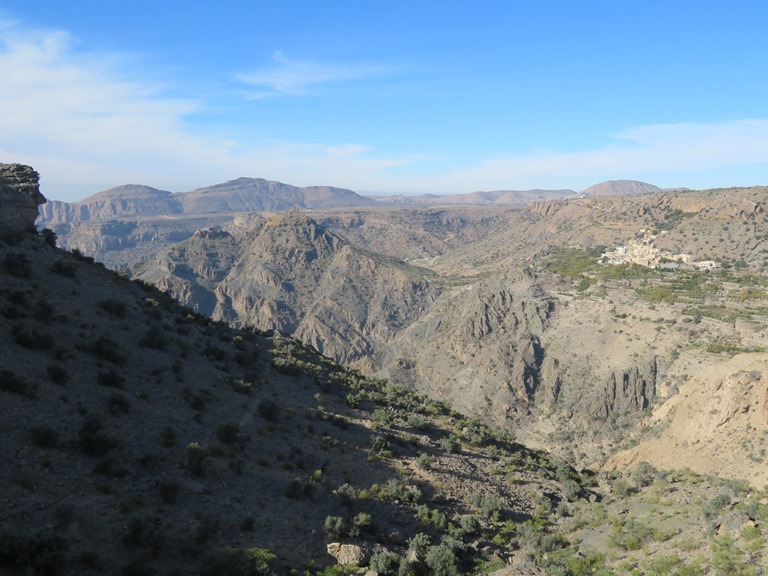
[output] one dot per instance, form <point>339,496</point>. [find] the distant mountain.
<point>621,188</point>
<point>492,198</point>
<point>259,195</point>
<point>129,201</point>
<point>235,196</point>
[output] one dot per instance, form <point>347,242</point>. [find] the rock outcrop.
<point>20,197</point>
<point>346,554</point>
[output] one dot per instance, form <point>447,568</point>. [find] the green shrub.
<point>334,526</point>
<point>469,524</point>
<point>420,543</point>
<point>385,563</point>
<point>288,366</point>
<point>425,461</point>
<point>442,561</point>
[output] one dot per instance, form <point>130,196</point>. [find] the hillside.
<point>499,318</point>
<point>141,438</point>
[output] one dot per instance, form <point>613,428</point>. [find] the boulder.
<point>348,554</point>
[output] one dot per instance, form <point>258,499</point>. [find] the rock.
<point>348,554</point>
<point>19,197</point>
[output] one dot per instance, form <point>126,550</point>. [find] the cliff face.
<point>20,197</point>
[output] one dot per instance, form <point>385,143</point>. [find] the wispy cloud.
<point>663,153</point>
<point>290,76</point>
<point>89,121</point>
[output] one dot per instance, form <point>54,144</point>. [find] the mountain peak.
<point>620,188</point>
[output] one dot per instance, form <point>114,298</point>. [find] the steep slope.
<point>294,276</point>
<point>714,424</point>
<point>139,438</point>
<point>121,202</point>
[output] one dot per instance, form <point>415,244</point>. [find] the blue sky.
<point>385,97</point>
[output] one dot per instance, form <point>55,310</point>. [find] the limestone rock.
<point>19,197</point>
<point>348,554</point>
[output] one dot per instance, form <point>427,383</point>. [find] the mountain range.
<point>142,437</point>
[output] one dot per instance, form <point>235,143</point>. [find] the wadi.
<point>255,378</point>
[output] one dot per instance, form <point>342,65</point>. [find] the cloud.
<point>667,152</point>
<point>89,121</point>
<point>289,76</point>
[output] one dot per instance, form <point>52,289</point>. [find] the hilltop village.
<point>643,252</point>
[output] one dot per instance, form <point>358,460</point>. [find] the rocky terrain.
<point>504,312</point>
<point>485,308</point>
<point>140,437</point>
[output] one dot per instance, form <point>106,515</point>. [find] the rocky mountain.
<point>240,195</point>
<point>620,188</point>
<point>293,275</point>
<point>142,438</point>
<point>505,323</point>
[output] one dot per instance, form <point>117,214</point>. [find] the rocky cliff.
<point>20,197</point>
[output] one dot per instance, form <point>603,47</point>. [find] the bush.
<point>385,563</point>
<point>644,474</point>
<point>93,440</point>
<point>32,338</point>
<point>469,524</point>
<point>57,374</point>
<point>228,433</point>
<point>269,410</point>
<point>196,459</point>
<point>66,269</point>
<point>420,543</point>
<point>117,404</point>
<point>154,339</point>
<point>334,526</point>
<point>425,461</point>
<point>17,264</point>
<point>287,366</point>
<point>109,350</point>
<point>10,382</point>
<point>114,307</point>
<point>442,561</point>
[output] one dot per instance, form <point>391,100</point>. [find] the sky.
<point>385,97</point>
